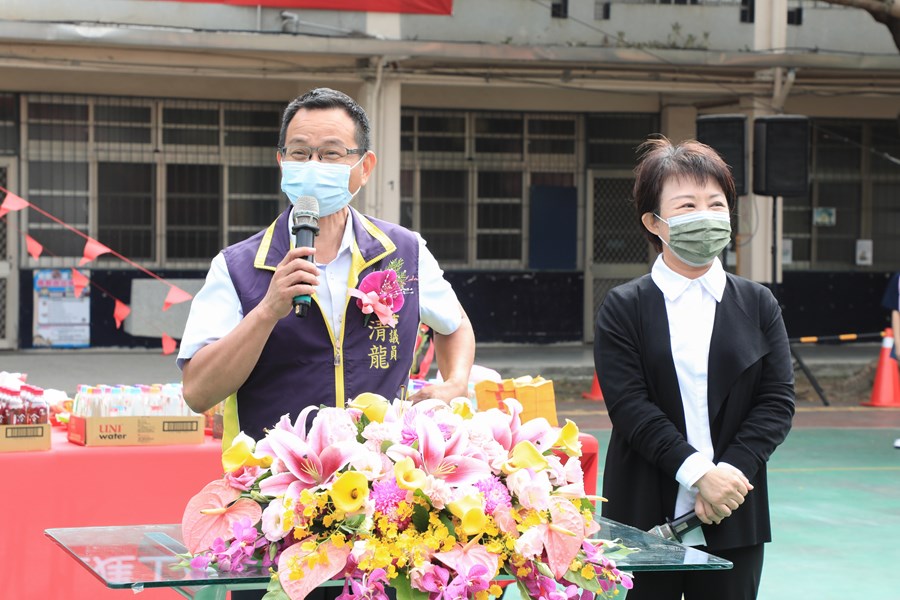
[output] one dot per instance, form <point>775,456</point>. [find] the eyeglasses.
<point>330,153</point>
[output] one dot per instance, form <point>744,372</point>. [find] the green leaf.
<point>445,519</point>
<point>575,577</point>
<point>420,517</point>
<point>385,445</point>
<point>274,591</point>
<point>405,591</point>
<point>420,494</point>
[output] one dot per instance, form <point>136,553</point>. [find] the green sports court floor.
<point>834,496</point>
<point>835,504</point>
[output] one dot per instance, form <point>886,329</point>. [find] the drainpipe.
<point>782,88</point>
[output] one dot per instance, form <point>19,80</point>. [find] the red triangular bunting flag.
<point>120,313</point>
<point>168,344</point>
<point>11,203</point>
<point>80,282</point>
<point>176,295</point>
<point>33,246</point>
<point>92,249</point>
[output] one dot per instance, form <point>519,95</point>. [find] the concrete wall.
<point>515,22</point>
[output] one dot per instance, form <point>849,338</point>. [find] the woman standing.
<point>696,372</point>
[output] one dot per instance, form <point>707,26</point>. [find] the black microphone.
<point>305,230</point>
<point>674,529</point>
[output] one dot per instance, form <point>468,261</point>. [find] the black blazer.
<point>751,403</point>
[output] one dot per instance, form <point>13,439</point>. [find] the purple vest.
<point>302,364</point>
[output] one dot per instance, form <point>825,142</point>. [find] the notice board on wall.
<point>61,319</point>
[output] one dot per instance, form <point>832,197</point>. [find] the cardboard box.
<point>22,438</point>
<point>136,431</point>
<point>534,393</point>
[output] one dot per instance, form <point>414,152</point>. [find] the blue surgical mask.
<point>329,183</point>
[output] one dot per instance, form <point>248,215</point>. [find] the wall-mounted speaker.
<point>781,155</point>
<point>726,134</point>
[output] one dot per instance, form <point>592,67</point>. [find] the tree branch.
<point>881,10</point>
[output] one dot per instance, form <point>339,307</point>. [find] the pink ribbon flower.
<point>380,293</point>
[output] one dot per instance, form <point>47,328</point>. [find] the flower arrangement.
<point>433,500</point>
<point>381,293</point>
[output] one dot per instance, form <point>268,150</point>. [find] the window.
<point>855,181</point>
<point>193,217</point>
<point>155,180</point>
<point>466,176</point>
<point>126,215</point>
<point>9,124</point>
<point>559,9</point>
<point>748,11</point>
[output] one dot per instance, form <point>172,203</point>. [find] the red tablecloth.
<point>82,486</point>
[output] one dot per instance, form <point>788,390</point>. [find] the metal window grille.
<point>466,179</point>
<point>161,180</point>
<point>852,179</point>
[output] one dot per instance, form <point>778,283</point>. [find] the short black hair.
<point>324,98</point>
<point>661,160</point>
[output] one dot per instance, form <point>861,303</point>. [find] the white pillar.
<point>678,123</point>
<point>381,196</point>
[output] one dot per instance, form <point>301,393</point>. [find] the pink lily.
<point>308,466</point>
<point>441,458</point>
<point>508,429</point>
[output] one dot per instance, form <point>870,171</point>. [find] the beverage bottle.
<point>38,409</point>
<point>15,409</point>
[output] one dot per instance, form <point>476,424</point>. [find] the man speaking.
<point>368,284</point>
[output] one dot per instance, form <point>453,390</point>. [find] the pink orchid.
<point>443,459</point>
<point>380,293</point>
<point>308,464</point>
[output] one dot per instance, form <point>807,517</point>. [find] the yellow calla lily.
<point>349,491</point>
<point>525,456</point>
<point>568,439</point>
<point>462,407</point>
<point>408,476</point>
<point>470,511</point>
<point>372,405</point>
<point>240,454</point>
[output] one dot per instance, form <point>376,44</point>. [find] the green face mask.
<point>697,238</point>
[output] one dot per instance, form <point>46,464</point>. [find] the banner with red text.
<point>426,7</point>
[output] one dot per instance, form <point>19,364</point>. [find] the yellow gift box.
<point>535,394</point>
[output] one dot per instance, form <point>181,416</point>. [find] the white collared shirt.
<point>216,309</point>
<point>691,309</point>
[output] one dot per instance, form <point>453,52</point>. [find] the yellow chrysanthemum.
<point>349,492</point>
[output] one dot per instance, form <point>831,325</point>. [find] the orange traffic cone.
<point>886,390</point>
<point>595,394</point>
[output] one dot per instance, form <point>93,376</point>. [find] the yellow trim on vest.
<point>230,425</point>
<point>260,261</point>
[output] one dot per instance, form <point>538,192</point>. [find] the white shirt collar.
<point>346,240</point>
<point>673,285</point>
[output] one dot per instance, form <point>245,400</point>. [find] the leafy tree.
<point>883,11</point>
